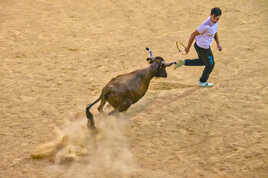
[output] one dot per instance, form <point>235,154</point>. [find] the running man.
<point>203,38</point>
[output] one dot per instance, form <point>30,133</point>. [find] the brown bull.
<point>124,90</point>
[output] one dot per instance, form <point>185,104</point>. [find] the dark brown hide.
<point>124,90</point>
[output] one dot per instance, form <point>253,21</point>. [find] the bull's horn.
<point>168,64</point>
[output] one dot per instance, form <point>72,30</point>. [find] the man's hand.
<point>191,39</point>
<point>219,47</point>
<point>186,50</point>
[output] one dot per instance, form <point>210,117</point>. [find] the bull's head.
<point>159,66</point>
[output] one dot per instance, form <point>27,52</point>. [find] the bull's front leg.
<point>113,112</point>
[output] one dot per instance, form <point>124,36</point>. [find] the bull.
<point>124,90</point>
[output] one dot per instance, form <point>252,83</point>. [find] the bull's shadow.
<point>151,99</point>
<point>163,85</point>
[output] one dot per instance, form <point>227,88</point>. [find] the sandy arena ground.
<point>57,55</point>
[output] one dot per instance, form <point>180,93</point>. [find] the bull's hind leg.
<point>103,101</point>
<point>104,98</point>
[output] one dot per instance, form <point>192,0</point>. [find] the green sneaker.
<point>179,64</point>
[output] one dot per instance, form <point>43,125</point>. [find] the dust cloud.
<point>79,152</point>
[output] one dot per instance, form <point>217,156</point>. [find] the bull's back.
<point>126,86</point>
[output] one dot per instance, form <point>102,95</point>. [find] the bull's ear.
<point>149,60</point>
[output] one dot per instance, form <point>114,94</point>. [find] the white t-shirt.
<point>207,32</point>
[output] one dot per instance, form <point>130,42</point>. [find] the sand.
<point>56,56</point>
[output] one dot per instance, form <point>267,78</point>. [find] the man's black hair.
<point>215,11</point>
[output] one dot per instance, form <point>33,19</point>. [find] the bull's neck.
<point>150,71</point>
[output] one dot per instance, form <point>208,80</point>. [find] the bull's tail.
<point>91,123</point>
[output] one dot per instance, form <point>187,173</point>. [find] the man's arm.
<point>190,41</point>
<point>217,41</point>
